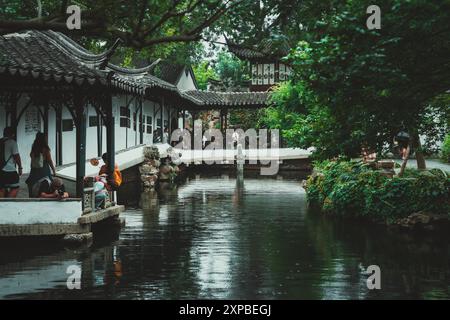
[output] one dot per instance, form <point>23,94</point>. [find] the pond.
<point>218,237</point>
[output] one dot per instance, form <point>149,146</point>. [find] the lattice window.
<point>149,125</point>
<point>125,121</point>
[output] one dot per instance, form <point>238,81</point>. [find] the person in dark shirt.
<point>52,189</point>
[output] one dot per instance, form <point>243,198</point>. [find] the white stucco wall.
<point>31,212</point>
<point>124,137</point>
<point>186,82</point>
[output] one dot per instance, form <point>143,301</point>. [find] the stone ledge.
<point>100,215</point>
<point>25,230</point>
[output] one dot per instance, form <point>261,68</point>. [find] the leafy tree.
<point>168,29</point>
<point>245,118</point>
<point>138,24</point>
<point>146,23</point>
<point>232,71</point>
<point>445,153</point>
<point>203,71</point>
<point>372,83</point>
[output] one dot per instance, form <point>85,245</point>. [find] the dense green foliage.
<point>354,189</point>
<point>445,153</point>
<point>225,67</point>
<point>232,71</point>
<point>203,71</point>
<point>364,86</point>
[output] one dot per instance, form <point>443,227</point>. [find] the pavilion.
<point>86,105</point>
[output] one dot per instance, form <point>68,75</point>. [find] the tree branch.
<point>137,35</point>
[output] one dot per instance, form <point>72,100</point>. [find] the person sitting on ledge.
<point>116,182</point>
<point>52,189</point>
<point>101,193</point>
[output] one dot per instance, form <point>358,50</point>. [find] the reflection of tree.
<point>411,266</point>
<point>283,267</point>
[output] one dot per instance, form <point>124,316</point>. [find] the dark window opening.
<point>125,123</point>
<point>93,121</point>
<point>67,125</point>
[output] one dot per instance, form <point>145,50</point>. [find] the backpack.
<point>3,162</point>
<point>116,182</point>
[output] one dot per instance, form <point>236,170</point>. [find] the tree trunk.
<point>421,164</point>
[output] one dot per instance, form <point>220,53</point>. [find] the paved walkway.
<point>431,164</point>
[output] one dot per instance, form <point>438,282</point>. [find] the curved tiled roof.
<point>268,50</point>
<point>228,99</point>
<point>36,54</point>
<point>46,55</point>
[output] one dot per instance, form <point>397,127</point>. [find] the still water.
<point>216,237</point>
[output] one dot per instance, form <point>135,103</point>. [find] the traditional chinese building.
<point>265,59</point>
<point>86,106</point>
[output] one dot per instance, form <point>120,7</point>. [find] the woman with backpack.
<point>42,165</point>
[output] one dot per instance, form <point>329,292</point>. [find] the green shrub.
<point>354,189</point>
<point>445,151</point>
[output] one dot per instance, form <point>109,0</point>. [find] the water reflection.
<point>223,237</point>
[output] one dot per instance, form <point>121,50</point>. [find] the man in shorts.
<point>10,162</point>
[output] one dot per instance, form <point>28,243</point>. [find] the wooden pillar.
<point>162,119</point>
<point>80,113</point>
<point>141,122</point>
<point>184,119</point>
<point>226,119</point>
<point>169,118</point>
<point>110,138</point>
<point>99,135</point>
<point>46,121</point>
<point>127,105</point>
<point>13,112</point>
<point>58,141</point>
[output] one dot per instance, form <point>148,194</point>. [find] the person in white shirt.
<point>10,162</point>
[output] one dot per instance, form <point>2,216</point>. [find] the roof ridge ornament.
<point>109,53</point>
<point>152,66</point>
